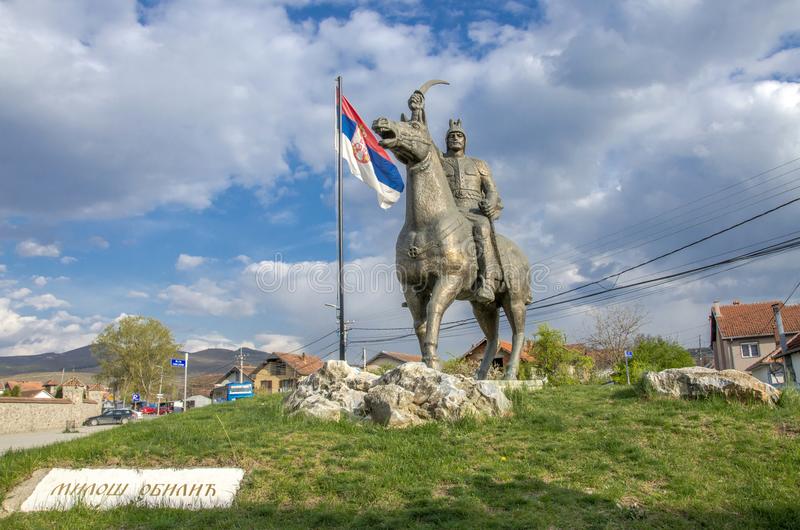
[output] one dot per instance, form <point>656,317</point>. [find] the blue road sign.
<point>136,397</point>
<point>629,354</point>
<point>178,362</point>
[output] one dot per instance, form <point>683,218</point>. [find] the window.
<point>749,349</point>
<point>266,385</point>
<point>287,385</point>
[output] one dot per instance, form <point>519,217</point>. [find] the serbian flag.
<point>368,161</point>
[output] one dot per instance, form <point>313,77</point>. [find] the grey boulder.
<point>699,382</point>
<point>408,395</point>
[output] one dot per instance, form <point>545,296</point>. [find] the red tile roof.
<point>97,386</point>
<point>51,382</point>
<point>32,393</point>
<point>24,386</point>
<point>303,364</point>
<point>505,348</point>
<point>757,319</point>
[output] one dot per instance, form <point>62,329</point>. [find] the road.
<point>24,440</point>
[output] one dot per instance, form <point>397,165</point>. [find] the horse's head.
<point>410,141</point>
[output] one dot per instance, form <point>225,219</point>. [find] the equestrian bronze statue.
<point>447,249</point>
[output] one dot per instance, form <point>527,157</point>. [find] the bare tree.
<point>615,329</point>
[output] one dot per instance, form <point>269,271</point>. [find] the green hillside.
<point>570,457</point>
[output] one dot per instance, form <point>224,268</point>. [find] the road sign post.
<point>185,375</point>
<point>628,355</point>
<point>136,398</point>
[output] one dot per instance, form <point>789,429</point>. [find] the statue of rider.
<point>475,193</point>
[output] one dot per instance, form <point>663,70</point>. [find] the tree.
<point>15,391</point>
<point>615,329</point>
<point>653,354</point>
<point>133,352</point>
<point>560,364</point>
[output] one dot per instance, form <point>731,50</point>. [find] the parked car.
<point>111,416</point>
<point>148,409</point>
<point>136,413</point>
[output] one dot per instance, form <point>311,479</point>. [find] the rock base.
<point>699,382</point>
<point>523,384</point>
<point>411,394</point>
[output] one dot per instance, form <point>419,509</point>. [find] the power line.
<point>776,248</point>
<point>313,341</point>
<point>716,193</point>
<point>727,210</point>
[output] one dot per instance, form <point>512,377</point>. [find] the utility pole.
<point>788,376</point>
<point>241,364</point>
<point>364,358</point>
<point>62,376</point>
<point>159,395</point>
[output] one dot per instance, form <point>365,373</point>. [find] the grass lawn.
<point>570,457</point>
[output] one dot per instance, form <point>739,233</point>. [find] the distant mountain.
<point>208,361</point>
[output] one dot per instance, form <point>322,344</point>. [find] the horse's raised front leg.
<point>515,312</point>
<point>442,295</point>
<point>488,317</point>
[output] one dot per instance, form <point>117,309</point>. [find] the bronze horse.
<point>436,256</point>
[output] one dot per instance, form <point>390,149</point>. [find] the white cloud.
<point>66,260</point>
<point>99,242</point>
<point>20,293</point>
<point>271,342</point>
<point>44,301</point>
<point>212,340</point>
<point>3,269</point>
<point>186,262</point>
<point>40,281</point>
<point>30,248</point>
<point>245,260</point>
<point>31,335</point>
<point>137,294</point>
<point>206,297</point>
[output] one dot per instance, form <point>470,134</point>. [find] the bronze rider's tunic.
<point>470,180</point>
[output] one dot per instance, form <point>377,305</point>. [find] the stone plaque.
<point>192,489</point>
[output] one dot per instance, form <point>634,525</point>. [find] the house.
<point>744,334</point>
<point>768,369</point>
<point>793,354</point>
<point>234,375</point>
<point>97,392</point>
<point>386,360</point>
<point>197,401</point>
<point>51,385</point>
<point>475,353</point>
<point>35,394</point>
<point>25,387</point>
<point>280,372</point>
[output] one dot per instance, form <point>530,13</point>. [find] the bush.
<point>652,354</point>
<point>561,365</point>
<point>458,366</point>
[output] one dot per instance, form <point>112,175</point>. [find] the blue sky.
<point>158,155</point>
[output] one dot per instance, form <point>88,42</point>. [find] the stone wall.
<point>28,415</point>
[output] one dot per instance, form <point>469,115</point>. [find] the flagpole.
<point>340,219</point>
